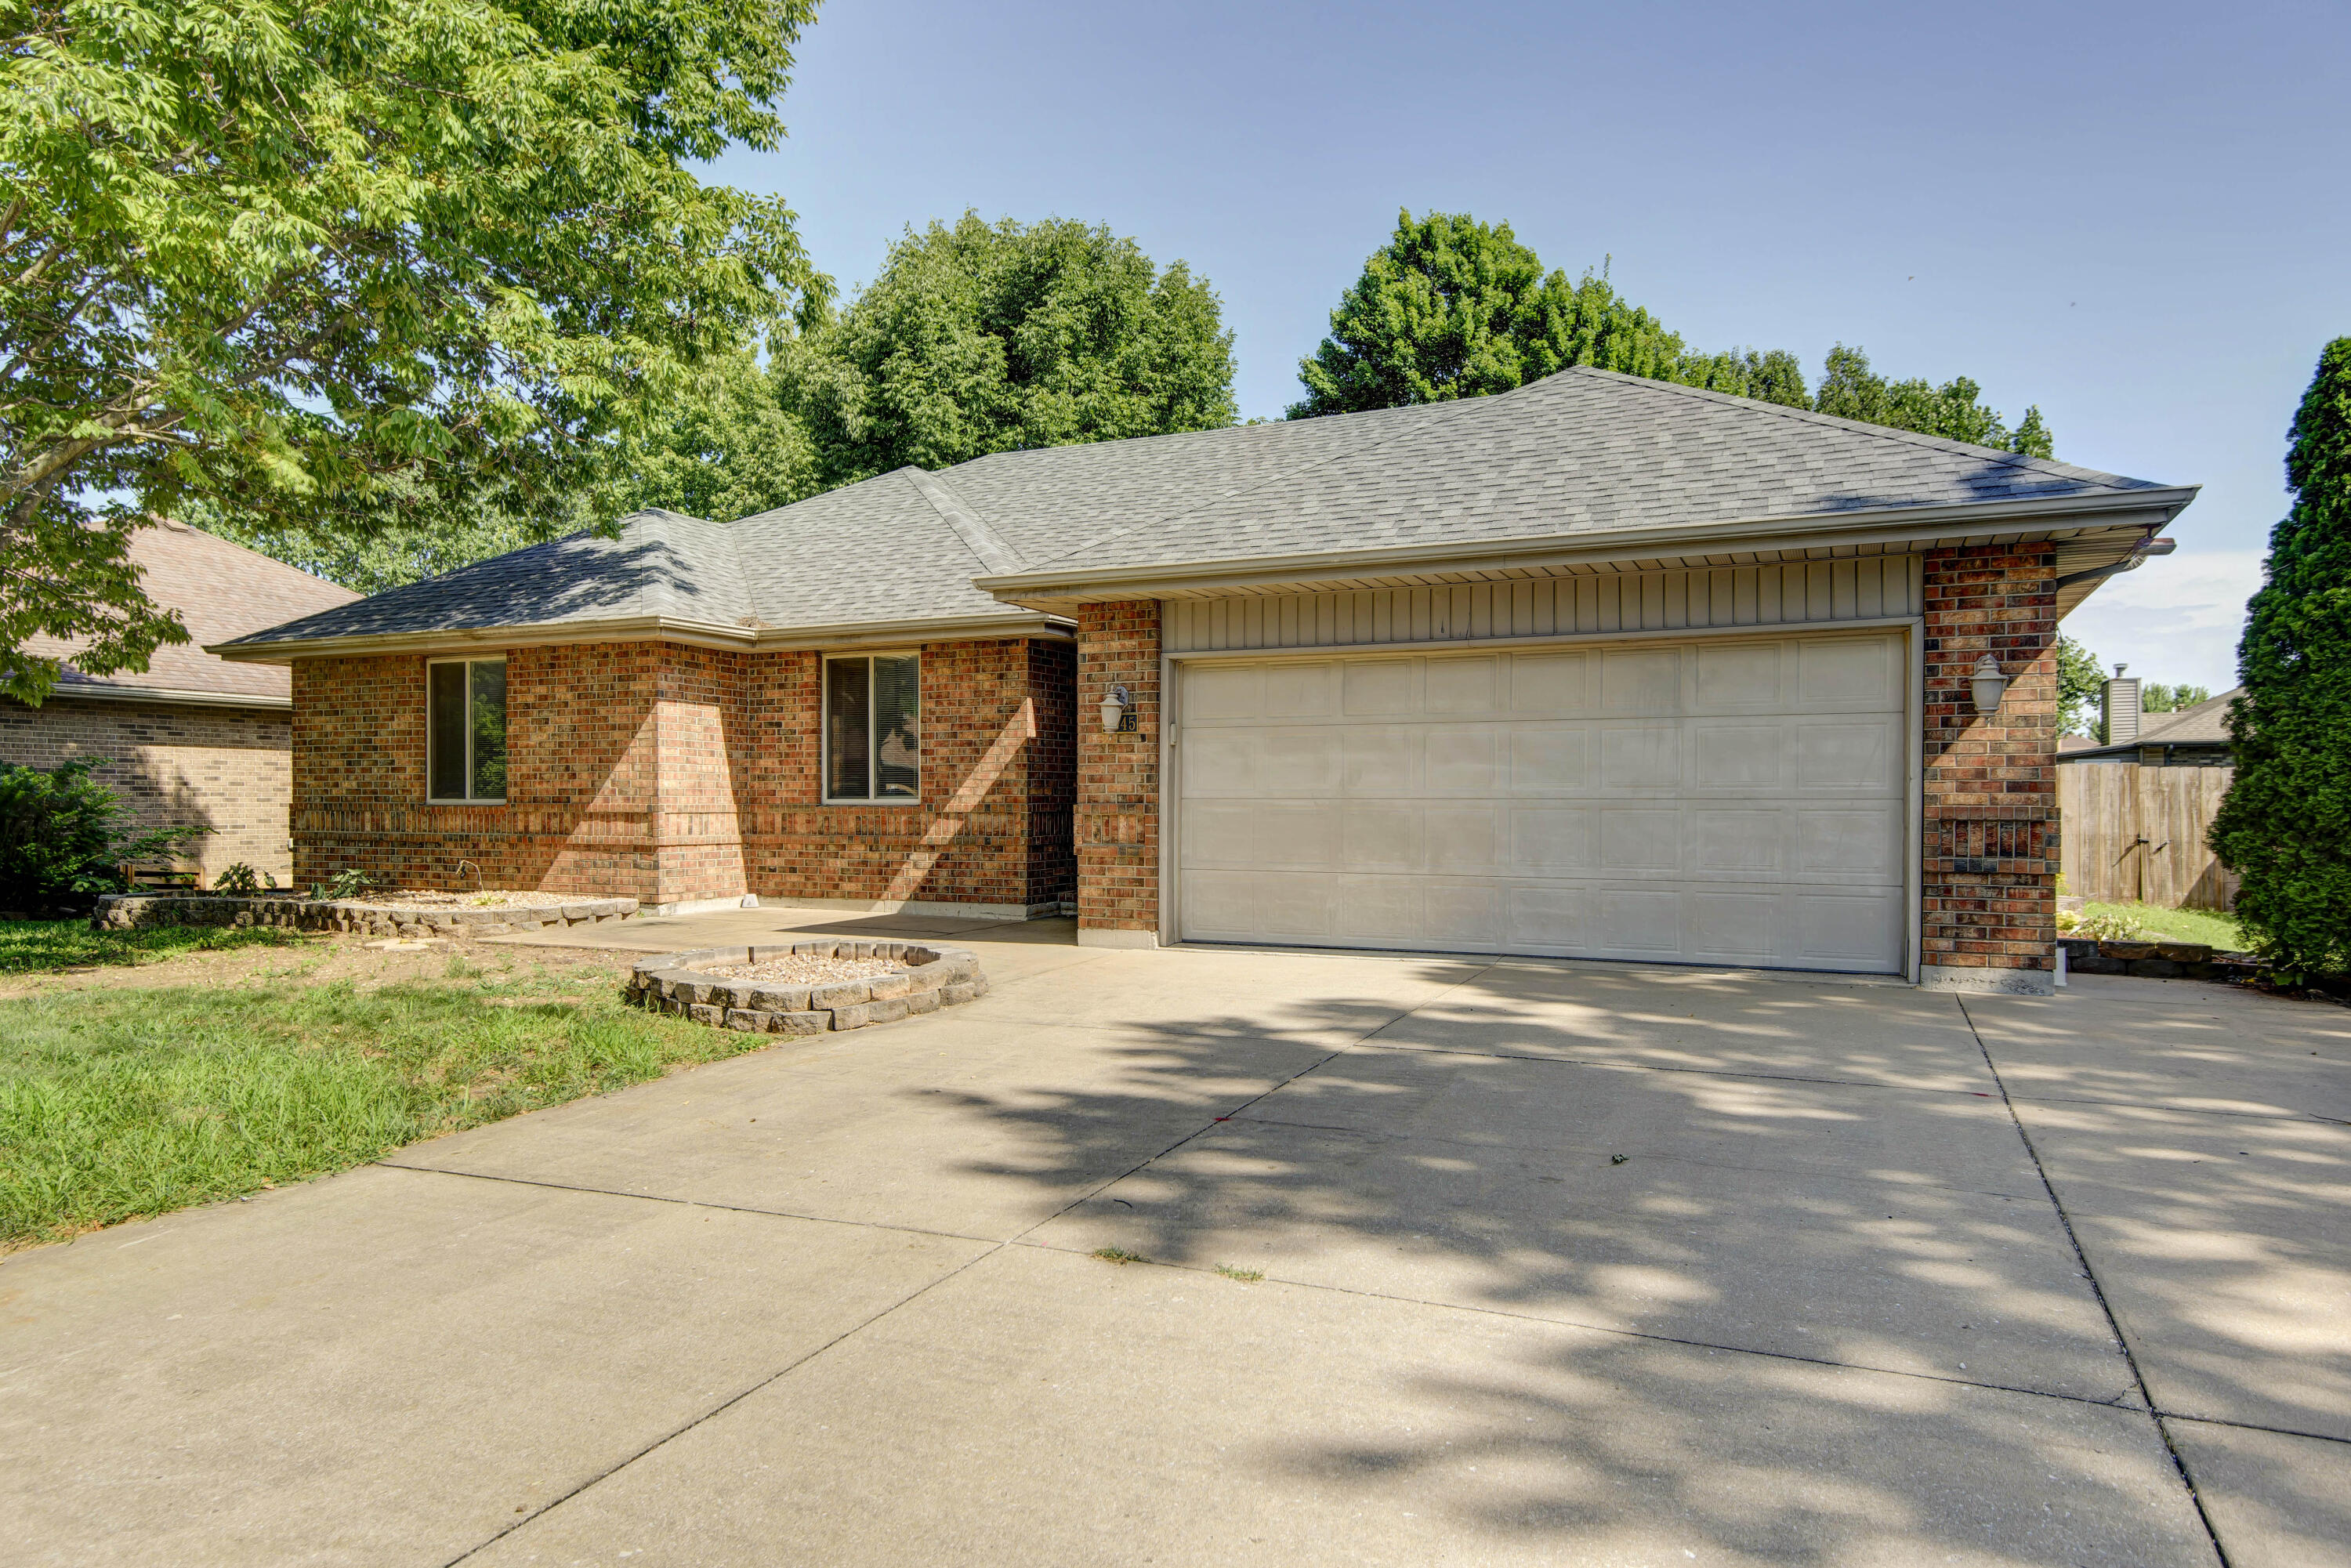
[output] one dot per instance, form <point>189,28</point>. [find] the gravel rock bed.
<point>488,898</point>
<point>802,969</point>
<point>701,985</point>
<point>135,912</point>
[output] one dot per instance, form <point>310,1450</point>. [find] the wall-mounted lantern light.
<point>1118,709</point>
<point>1989,683</point>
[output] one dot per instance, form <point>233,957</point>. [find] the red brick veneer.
<point>1118,773</point>
<point>1992,835</point>
<point>667,773</point>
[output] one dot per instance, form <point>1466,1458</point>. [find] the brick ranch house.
<point>1599,668</point>
<point>193,739</point>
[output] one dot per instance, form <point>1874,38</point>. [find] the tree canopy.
<point>360,265</point>
<point>1453,308</point>
<point>2081,684</point>
<point>2285,825</point>
<point>981,337</point>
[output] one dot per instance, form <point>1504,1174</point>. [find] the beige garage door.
<point>1711,801</point>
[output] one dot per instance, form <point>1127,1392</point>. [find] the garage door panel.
<point>1464,839</point>
<point>1855,754</point>
<point>1376,687</point>
<point>1301,691</point>
<point>1732,679</point>
<point>1640,757</point>
<point>1710,802</point>
<point>1464,686</point>
<point>1554,838</point>
<point>1848,672</point>
<point>1642,680</point>
<point>1550,683</point>
<point>1551,759</point>
<point>1741,927</point>
<point>1463,759</point>
<point>1736,757</point>
<point>1383,838</point>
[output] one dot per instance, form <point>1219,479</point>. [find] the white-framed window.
<point>873,729</point>
<point>465,731</point>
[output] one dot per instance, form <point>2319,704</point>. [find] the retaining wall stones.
<point>140,911</point>
<point>930,978</point>
<point>2155,960</point>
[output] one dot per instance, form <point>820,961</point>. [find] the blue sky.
<point>2133,215</point>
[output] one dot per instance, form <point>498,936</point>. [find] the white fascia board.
<point>652,628</point>
<point>1907,528</point>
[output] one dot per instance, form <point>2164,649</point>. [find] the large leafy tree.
<point>2286,824</point>
<point>357,264</point>
<point>981,337</point>
<point>2081,683</point>
<point>1452,308</point>
<point>1954,411</point>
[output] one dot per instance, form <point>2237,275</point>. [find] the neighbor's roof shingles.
<point>221,591</point>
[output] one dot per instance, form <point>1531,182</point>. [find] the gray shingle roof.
<point>1584,453</point>
<point>2206,724</point>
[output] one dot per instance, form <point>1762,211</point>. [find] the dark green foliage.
<point>2081,681</point>
<point>1451,308</point>
<point>1851,390</point>
<point>2156,698</point>
<point>63,836</point>
<point>2285,826</point>
<point>985,337</point>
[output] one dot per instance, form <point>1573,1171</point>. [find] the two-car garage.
<point>1736,799</point>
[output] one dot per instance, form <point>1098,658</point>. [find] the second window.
<point>872,727</point>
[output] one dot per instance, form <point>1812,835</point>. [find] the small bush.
<point>64,836</point>
<point>242,881</point>
<point>349,884</point>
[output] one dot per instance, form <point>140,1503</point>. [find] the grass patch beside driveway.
<point>125,1101</point>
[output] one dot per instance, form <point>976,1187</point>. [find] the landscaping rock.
<point>696,984</point>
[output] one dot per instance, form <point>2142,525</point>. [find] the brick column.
<point>1118,777</point>
<point>1988,909</point>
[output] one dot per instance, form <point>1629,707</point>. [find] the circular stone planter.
<point>142,911</point>
<point>927,978</point>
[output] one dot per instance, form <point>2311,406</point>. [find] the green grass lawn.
<point>117,1103</point>
<point>2209,926</point>
<point>41,946</point>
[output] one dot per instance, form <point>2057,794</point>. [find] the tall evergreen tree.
<point>985,337</point>
<point>2285,826</point>
<point>1851,390</point>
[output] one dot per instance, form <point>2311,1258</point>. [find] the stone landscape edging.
<point>143,911</point>
<point>933,975</point>
<point>2154,959</point>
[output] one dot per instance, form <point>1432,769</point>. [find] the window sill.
<point>434,800</point>
<point>899,802</point>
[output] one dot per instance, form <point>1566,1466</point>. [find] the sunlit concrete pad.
<point>2276,1501</point>
<point>389,1366</point>
<point>1047,1407</point>
<point>2224,1245</point>
<point>953,1122</point>
<point>2212,1047</point>
<point>1007,948</point>
<point>1705,1020</point>
<point>1332,997</point>
<point>1848,1223</point>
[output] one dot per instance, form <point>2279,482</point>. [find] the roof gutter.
<point>652,628</point>
<point>2149,545</point>
<point>175,697</point>
<point>1905,527</point>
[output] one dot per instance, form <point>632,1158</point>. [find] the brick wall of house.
<point>1117,821</point>
<point>1991,837</point>
<point>668,773</point>
<point>175,766</point>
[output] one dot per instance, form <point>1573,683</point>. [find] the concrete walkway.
<point>1560,1264</point>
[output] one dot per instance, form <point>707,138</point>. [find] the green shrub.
<point>64,836</point>
<point>2286,824</point>
<point>242,881</point>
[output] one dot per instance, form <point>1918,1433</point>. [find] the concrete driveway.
<point>1560,1264</point>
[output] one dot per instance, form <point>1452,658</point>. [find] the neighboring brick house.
<point>1599,668</point>
<point>194,740</point>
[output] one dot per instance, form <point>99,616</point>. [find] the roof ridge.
<point>2049,465</point>
<point>984,542</point>
<point>1435,409</point>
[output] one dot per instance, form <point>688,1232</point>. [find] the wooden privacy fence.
<point>2136,834</point>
